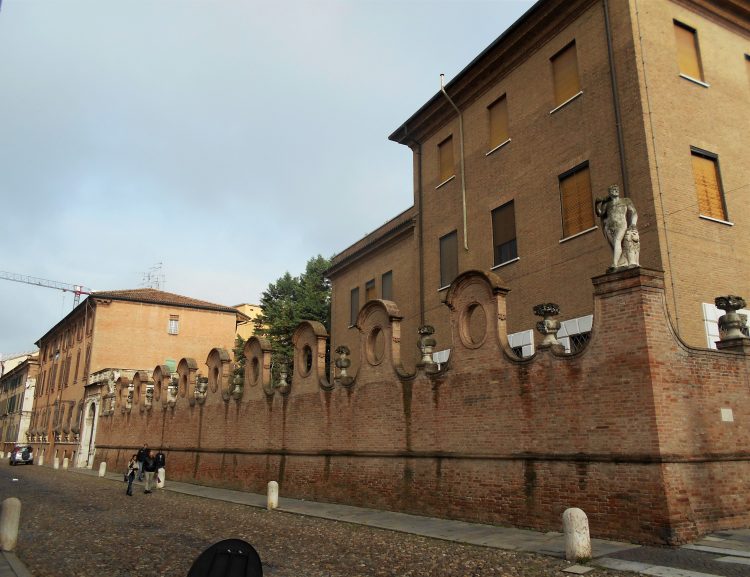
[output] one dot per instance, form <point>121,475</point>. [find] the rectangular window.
<point>565,74</point>
<point>504,233</point>
<point>575,199</point>
<point>174,325</point>
<point>386,285</point>
<point>353,306</point>
<point>448,258</point>
<point>498,122</point>
<point>708,184</point>
<point>688,55</point>
<point>446,167</point>
<point>370,290</point>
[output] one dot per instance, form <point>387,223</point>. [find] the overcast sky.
<point>229,140</point>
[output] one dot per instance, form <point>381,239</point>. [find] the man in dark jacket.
<point>141,457</point>
<point>149,470</point>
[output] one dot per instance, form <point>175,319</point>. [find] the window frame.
<point>370,290</point>
<point>568,174</point>
<point>714,158</point>
<point>444,145</point>
<point>494,105</point>
<point>495,259</point>
<point>444,274</point>
<point>353,306</point>
<point>559,100</point>
<point>701,78</point>
<point>173,325</point>
<point>386,294</point>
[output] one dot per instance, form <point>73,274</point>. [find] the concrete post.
<point>56,463</point>
<point>160,475</point>
<point>273,495</point>
<point>40,460</point>
<point>66,462</point>
<point>102,468</point>
<point>10,515</point>
<point>577,539</point>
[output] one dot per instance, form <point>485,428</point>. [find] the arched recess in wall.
<point>309,340</point>
<point>161,376</point>
<point>257,353</point>
<point>218,369</point>
<point>140,382</point>
<point>187,369</point>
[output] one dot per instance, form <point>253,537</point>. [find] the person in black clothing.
<point>141,455</point>
<point>130,475</point>
<point>149,470</point>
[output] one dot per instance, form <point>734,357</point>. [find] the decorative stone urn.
<point>148,400</point>
<point>201,387</point>
<point>732,323</point>
<point>426,344</point>
<point>172,389</point>
<point>343,362</point>
<point>548,326</point>
<point>283,385</point>
<point>237,386</point>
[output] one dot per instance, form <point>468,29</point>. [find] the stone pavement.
<point>724,554</point>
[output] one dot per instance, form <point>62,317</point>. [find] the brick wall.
<point>629,429</point>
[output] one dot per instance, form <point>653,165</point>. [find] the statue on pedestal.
<point>619,219</point>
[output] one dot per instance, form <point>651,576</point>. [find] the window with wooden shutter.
<point>565,74</point>
<point>370,290</point>
<point>448,258</point>
<point>386,285</point>
<point>446,167</point>
<point>504,233</point>
<point>708,185</point>
<point>575,198</point>
<point>353,306</point>
<point>688,55</point>
<point>498,122</point>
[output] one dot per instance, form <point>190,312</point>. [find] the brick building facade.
<point>120,330</point>
<point>575,96</point>
<point>17,387</point>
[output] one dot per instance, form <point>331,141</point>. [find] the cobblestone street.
<point>79,525</point>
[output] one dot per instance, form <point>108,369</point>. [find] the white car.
<point>23,454</point>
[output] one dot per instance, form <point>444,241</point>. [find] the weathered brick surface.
<point>629,429</point>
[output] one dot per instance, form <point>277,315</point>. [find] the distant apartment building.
<point>575,96</point>
<point>17,387</point>
<point>119,330</point>
<point>246,327</point>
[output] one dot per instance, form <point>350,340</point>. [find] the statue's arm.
<point>633,214</point>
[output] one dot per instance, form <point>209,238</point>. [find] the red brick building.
<point>575,96</point>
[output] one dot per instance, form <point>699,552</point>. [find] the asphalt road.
<point>80,526</point>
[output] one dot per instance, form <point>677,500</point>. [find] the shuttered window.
<point>173,327</point>
<point>688,55</point>
<point>446,167</point>
<point>448,258</point>
<point>387,285</point>
<point>708,185</point>
<point>575,198</point>
<point>565,74</point>
<point>504,233</point>
<point>370,290</point>
<point>498,122</point>
<point>353,306</point>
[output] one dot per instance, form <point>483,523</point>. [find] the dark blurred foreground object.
<point>228,558</point>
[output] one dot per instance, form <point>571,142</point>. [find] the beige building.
<point>246,328</point>
<point>128,329</point>
<point>17,387</point>
<point>651,95</point>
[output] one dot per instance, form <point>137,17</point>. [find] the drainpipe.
<point>461,146</point>
<point>615,98</point>
<point>420,240</point>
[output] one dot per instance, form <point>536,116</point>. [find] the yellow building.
<point>246,328</point>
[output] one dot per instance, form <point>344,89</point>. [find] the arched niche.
<point>219,370</point>
<point>379,324</point>
<point>257,352</point>
<point>309,341</point>
<point>187,370</point>
<point>477,303</point>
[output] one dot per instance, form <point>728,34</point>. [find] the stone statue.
<point>619,219</point>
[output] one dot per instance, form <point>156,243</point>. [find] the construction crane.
<point>76,289</point>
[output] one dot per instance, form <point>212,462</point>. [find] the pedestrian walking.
<point>161,467</point>
<point>142,454</point>
<point>131,472</point>
<point>149,470</point>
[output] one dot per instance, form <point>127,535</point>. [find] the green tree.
<point>290,300</point>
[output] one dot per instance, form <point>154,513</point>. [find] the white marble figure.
<point>619,219</point>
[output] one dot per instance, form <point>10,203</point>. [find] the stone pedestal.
<point>102,468</point>
<point>577,538</point>
<point>65,464</point>
<point>10,516</point>
<point>56,463</point>
<point>40,460</point>
<point>273,495</point>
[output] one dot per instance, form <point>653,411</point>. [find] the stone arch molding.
<point>309,341</point>
<point>257,352</point>
<point>187,372</point>
<point>379,325</point>
<point>218,363</point>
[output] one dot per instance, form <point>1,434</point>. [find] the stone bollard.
<point>66,462</point>
<point>40,460</point>
<point>56,463</point>
<point>160,474</point>
<point>273,495</point>
<point>577,539</point>
<point>10,515</point>
<point>102,468</point>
